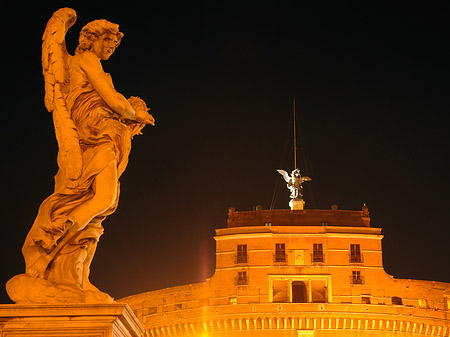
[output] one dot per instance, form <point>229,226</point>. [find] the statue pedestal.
<point>69,320</point>
<point>297,204</point>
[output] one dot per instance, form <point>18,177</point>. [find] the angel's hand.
<point>38,268</point>
<point>140,108</point>
<point>143,116</point>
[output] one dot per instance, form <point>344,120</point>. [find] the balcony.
<point>241,258</point>
<point>357,279</point>
<point>355,258</point>
<point>242,279</point>
<point>280,258</point>
<point>317,257</point>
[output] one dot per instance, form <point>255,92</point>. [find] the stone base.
<point>70,320</point>
<point>297,204</point>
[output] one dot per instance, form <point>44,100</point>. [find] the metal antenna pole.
<point>295,139</point>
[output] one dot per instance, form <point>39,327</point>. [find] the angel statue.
<point>94,125</point>
<point>294,184</point>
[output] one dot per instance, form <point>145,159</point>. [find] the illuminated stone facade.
<point>297,273</point>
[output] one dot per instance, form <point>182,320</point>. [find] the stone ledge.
<point>64,320</point>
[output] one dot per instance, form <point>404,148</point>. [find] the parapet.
<point>308,217</point>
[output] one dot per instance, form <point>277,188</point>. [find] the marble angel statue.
<point>94,125</point>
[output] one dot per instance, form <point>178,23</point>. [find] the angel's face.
<point>105,46</point>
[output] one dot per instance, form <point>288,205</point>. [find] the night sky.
<point>372,89</point>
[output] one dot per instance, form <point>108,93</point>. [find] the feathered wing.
<point>305,179</point>
<point>55,60</point>
<point>285,175</point>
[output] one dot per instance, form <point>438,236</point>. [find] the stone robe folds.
<point>105,137</point>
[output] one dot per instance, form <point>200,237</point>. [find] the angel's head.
<point>100,37</point>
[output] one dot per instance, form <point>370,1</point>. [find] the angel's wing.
<point>55,60</point>
<point>54,53</point>
<point>285,175</point>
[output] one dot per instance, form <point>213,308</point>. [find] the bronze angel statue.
<point>294,184</point>
<point>94,125</point>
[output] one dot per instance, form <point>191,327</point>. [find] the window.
<point>241,254</point>
<point>355,254</point>
<point>151,311</point>
<point>365,300</point>
<point>356,277</point>
<point>280,252</point>
<point>305,333</point>
<point>242,278</point>
<point>423,303</point>
<point>317,255</point>
<point>396,300</point>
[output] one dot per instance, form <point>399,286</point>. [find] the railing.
<point>241,258</point>
<point>356,279</point>
<point>242,281</point>
<point>355,258</point>
<point>280,258</point>
<point>317,257</point>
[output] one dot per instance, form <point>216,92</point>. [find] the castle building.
<point>297,273</point>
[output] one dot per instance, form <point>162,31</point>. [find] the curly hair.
<point>92,32</point>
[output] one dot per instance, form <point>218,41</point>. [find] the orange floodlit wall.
<point>297,273</point>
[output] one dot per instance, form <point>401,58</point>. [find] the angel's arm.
<point>93,69</point>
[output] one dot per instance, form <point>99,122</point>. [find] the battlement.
<point>309,217</point>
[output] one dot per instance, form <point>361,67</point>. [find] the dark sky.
<point>372,90</point>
